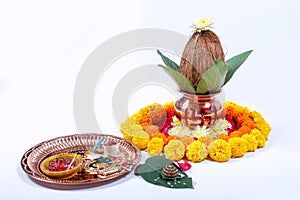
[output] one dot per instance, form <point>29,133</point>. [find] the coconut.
<point>200,53</point>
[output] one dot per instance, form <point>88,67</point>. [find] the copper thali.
<point>74,143</point>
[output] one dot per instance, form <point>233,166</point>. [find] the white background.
<point>44,43</point>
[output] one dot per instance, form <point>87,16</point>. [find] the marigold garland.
<point>135,134</point>
<point>155,146</point>
<point>260,138</point>
<point>174,150</point>
<point>219,150</point>
<point>148,128</point>
<point>251,142</point>
<point>238,147</point>
<point>186,140</point>
<point>151,130</point>
<point>196,151</point>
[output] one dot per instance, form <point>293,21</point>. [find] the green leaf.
<point>170,63</point>
<point>234,63</point>
<point>152,164</point>
<point>213,79</point>
<point>158,162</point>
<point>151,172</point>
<point>183,83</point>
<point>155,178</point>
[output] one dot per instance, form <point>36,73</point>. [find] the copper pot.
<point>202,110</point>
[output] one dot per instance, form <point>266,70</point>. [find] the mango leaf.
<point>234,63</point>
<point>170,63</point>
<point>183,83</point>
<point>151,172</point>
<point>212,80</point>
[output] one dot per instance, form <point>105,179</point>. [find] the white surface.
<point>44,43</point>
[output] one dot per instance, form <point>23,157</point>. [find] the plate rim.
<point>65,184</point>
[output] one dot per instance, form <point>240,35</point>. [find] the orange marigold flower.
<point>249,123</point>
<point>244,130</point>
<point>238,147</point>
<point>186,140</point>
<point>242,111</point>
<point>169,138</point>
<point>236,133</point>
<point>157,114</point>
<point>241,120</point>
<point>165,138</point>
<point>230,109</point>
<point>206,140</point>
<point>151,130</point>
<point>160,135</point>
<point>169,107</point>
<point>151,114</point>
<point>142,117</point>
<point>224,136</point>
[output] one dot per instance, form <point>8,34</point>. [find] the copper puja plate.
<point>127,159</point>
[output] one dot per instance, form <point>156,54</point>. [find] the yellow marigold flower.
<point>160,135</point>
<point>261,123</point>
<point>186,140</point>
<point>140,139</point>
<point>238,147</point>
<point>169,138</point>
<point>127,127</point>
<point>142,117</point>
<point>261,140</point>
<point>256,116</point>
<point>196,152</point>
<point>155,146</point>
<point>134,133</point>
<point>169,107</point>
<point>251,142</point>
<point>174,150</point>
<point>219,150</point>
<point>264,128</point>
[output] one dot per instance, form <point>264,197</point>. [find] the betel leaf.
<point>234,63</point>
<point>158,162</point>
<point>151,172</point>
<point>152,163</point>
<point>183,83</point>
<point>170,63</point>
<point>213,79</point>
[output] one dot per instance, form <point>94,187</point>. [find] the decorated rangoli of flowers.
<point>198,126</point>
